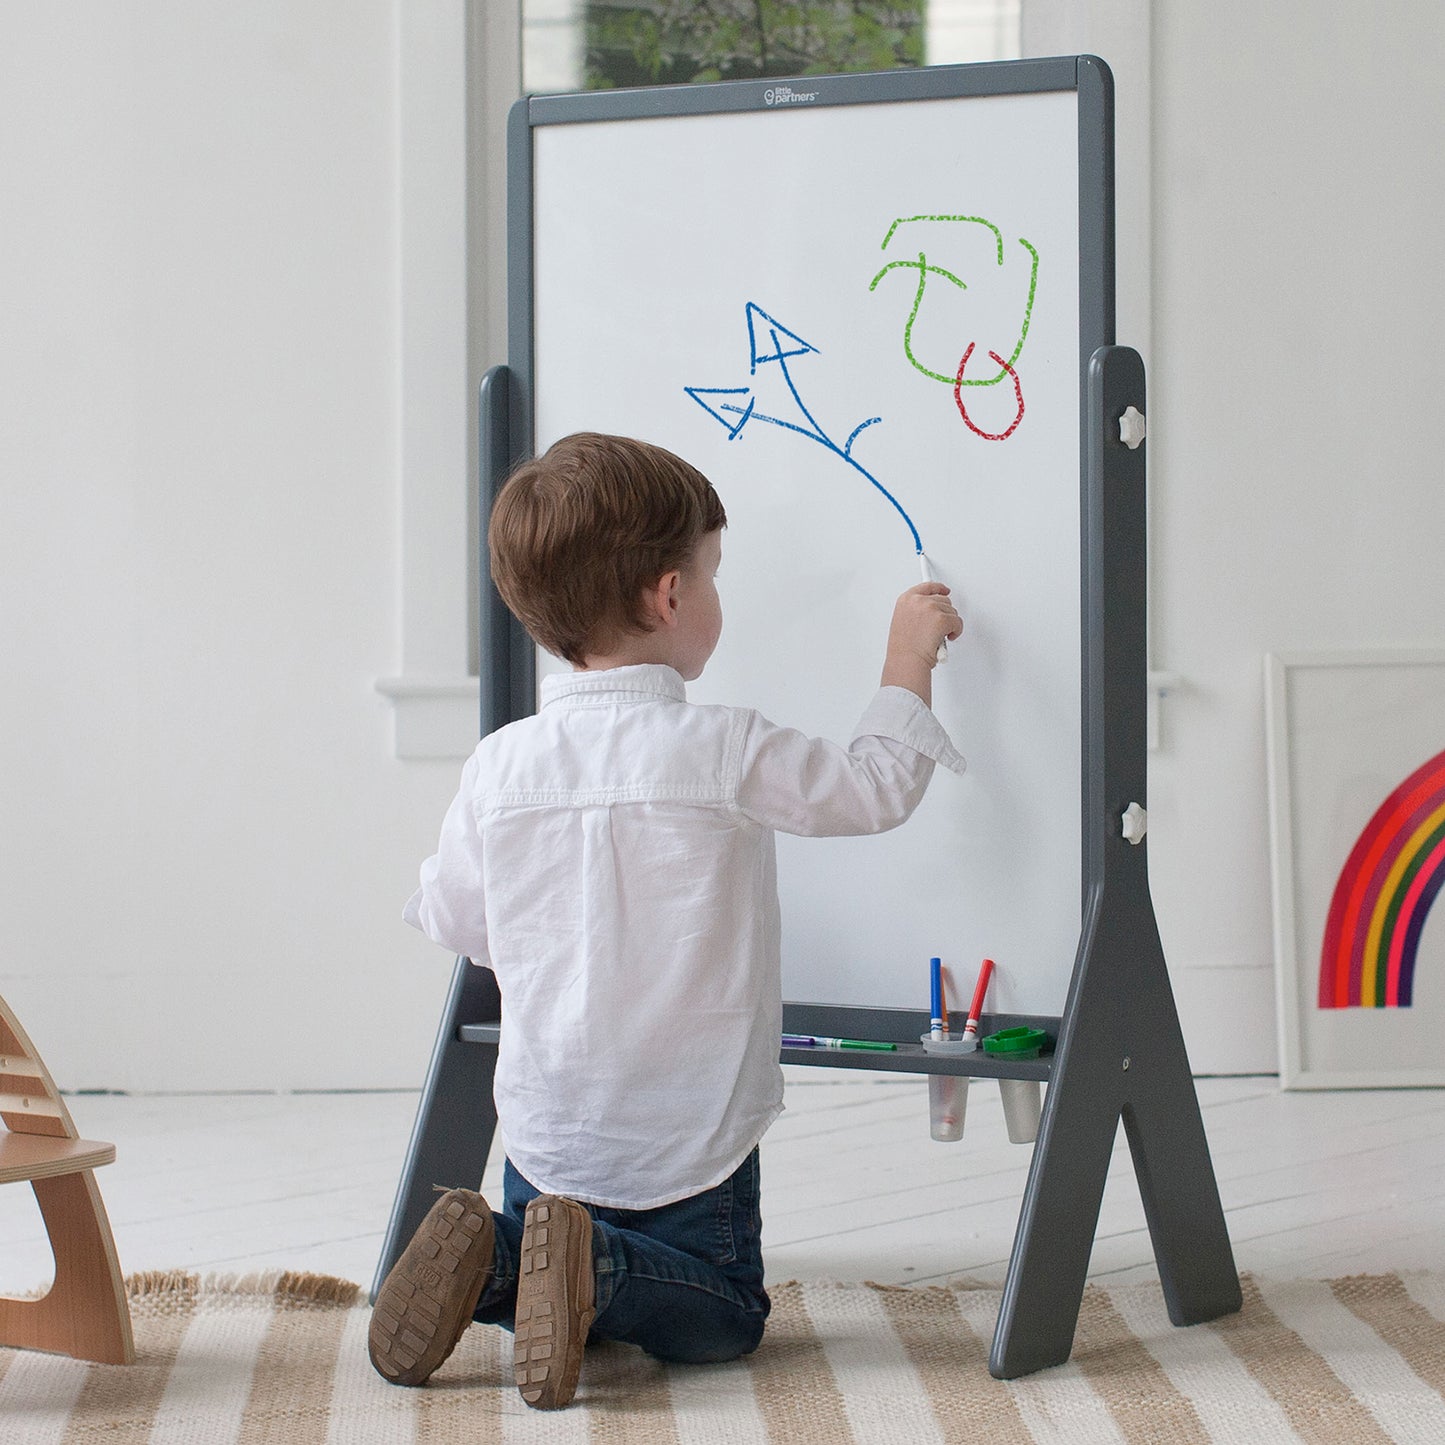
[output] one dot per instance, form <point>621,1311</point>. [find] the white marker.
<point>927,569</point>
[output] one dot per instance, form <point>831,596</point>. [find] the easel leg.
<point>1045,1282</point>
<point>1181,1199</point>
<point>456,1118</point>
<point>1122,1055</point>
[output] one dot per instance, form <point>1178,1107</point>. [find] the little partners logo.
<point>786,95</point>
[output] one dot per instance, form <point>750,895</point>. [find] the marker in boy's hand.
<point>922,618</point>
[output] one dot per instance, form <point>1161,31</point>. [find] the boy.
<point>612,860</point>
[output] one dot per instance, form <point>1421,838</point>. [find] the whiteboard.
<point>862,323</point>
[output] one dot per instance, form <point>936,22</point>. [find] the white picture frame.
<point>1356,778</point>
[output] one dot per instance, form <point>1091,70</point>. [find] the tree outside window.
<point>683,41</point>
<point>604,44</point>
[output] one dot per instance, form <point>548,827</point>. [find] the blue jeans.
<point>685,1282</point>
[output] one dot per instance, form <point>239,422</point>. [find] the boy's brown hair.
<point>578,534</point>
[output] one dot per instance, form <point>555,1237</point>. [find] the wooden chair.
<point>84,1313</point>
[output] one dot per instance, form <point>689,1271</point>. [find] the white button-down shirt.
<point>612,859</point>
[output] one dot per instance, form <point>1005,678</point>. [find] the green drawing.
<point>925,270</point>
<point>976,220</point>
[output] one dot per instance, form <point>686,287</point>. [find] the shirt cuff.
<point>903,716</point>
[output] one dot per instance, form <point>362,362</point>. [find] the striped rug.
<point>282,1359</point>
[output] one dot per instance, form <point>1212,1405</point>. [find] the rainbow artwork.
<point>1384,892</point>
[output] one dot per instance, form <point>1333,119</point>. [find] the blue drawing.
<point>770,343</point>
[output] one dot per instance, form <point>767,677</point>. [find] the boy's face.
<point>699,610</point>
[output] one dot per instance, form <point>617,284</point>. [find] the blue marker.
<point>935,1008</point>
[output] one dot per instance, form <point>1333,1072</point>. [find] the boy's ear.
<point>661,599</point>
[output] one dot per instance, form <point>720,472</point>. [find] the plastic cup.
<point>947,1093</point>
<point>1022,1104</point>
<point>1022,1098</point>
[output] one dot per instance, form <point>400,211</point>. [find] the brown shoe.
<point>555,1301</point>
<point>427,1298</point>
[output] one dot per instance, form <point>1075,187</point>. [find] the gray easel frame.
<point>1117,1049</point>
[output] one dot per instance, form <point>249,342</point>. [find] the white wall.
<point>1281,184</point>
<point>1299,198</point>
<point>212,373</point>
<point>206,837</point>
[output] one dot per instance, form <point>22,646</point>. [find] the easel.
<point>1118,1049</point>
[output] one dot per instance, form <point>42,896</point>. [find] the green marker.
<point>817,1041</point>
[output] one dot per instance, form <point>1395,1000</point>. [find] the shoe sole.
<point>426,1302</point>
<point>556,1295</point>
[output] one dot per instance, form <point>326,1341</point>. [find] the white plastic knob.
<point>1136,824</point>
<point>1132,427</point>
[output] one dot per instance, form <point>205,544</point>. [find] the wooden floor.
<point>1314,1184</point>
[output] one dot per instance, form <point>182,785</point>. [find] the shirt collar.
<point>636,683</point>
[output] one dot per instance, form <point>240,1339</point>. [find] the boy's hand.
<point>922,617</point>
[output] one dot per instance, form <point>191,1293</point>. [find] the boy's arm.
<point>818,789</point>
<point>449,907</point>
<point>813,787</point>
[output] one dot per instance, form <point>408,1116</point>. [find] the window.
<point>601,44</point>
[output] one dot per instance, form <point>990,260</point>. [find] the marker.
<point>985,972</point>
<point>817,1041</point>
<point>926,567</point>
<point>935,1006</point>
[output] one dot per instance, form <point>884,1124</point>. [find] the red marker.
<point>985,972</point>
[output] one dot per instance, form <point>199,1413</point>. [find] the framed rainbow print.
<point>1356,745</point>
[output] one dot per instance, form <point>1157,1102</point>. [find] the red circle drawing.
<point>963,412</point>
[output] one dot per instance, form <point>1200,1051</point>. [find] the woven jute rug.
<point>282,1358</point>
